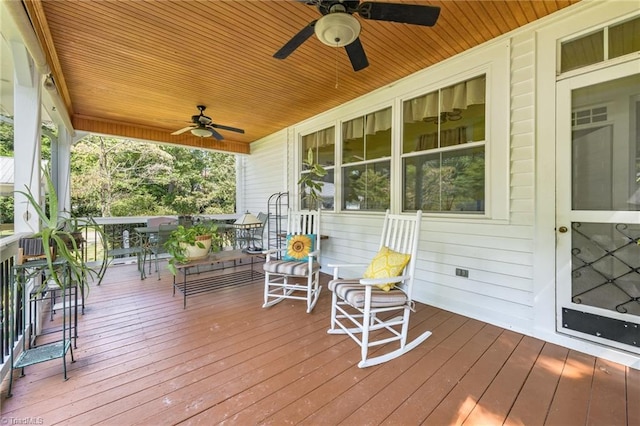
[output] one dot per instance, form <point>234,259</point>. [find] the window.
<point>366,162</point>
<point>322,144</point>
<point>443,149</point>
<point>590,49</point>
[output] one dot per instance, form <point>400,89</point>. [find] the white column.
<point>62,174</point>
<point>241,163</point>
<point>27,121</point>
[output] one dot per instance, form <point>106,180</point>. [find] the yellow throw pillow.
<point>386,264</point>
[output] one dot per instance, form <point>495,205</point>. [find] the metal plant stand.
<point>31,353</point>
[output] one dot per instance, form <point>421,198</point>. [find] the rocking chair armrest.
<point>337,266</point>
<point>270,252</point>
<point>382,281</point>
<point>347,265</point>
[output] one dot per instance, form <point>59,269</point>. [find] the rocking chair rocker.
<point>367,308</point>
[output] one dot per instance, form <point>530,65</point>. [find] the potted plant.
<point>311,180</point>
<point>191,243</point>
<point>58,231</point>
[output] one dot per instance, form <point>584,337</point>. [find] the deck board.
<point>143,359</point>
<point>608,394</point>
<point>535,396</point>
<point>570,404</point>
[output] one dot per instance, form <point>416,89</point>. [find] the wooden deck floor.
<point>143,359</point>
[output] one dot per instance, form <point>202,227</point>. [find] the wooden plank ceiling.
<point>138,68</point>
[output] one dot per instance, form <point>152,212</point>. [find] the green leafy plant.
<point>193,235</point>
<point>311,180</point>
<point>59,232</point>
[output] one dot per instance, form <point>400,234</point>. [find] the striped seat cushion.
<point>352,292</point>
<point>285,267</point>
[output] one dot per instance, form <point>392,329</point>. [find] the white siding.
<point>509,253</point>
<point>263,173</point>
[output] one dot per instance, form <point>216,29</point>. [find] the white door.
<point>598,206</point>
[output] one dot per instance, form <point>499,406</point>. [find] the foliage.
<point>119,177</point>
<point>371,189</point>
<point>114,177</point>
<point>311,180</point>
<point>6,209</point>
<point>6,139</point>
<point>56,231</point>
<point>184,205</point>
<point>455,184</point>
<point>106,171</point>
<point>183,236</point>
<point>143,204</point>
<point>7,150</point>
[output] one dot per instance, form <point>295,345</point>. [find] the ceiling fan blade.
<point>295,41</point>
<point>181,131</point>
<point>231,129</point>
<point>403,13</point>
<point>214,133</point>
<point>356,55</point>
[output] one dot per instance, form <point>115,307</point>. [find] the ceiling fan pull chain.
<point>335,51</point>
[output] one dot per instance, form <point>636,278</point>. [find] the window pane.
<point>367,138</point>
<point>605,147</point>
<point>584,51</point>
<point>446,181</point>
<point>624,38</point>
<point>327,194</point>
<point>378,145</point>
<point>455,115</point>
<point>366,186</point>
<point>323,145</point>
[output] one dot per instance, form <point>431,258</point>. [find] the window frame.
<point>439,150</point>
<point>301,154</point>
<point>341,165</point>
<point>493,61</point>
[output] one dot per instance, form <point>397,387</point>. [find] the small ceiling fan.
<point>203,127</point>
<point>339,28</point>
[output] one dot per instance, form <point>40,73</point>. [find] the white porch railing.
<point>10,302</point>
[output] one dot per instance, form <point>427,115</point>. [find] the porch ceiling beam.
<point>118,129</point>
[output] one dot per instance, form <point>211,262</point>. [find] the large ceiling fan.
<point>203,127</point>
<point>338,27</point>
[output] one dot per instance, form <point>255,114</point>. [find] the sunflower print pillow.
<point>299,246</point>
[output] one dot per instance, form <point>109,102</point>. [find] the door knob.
<point>563,229</point>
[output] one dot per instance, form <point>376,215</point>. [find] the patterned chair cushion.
<point>285,267</point>
<point>387,264</point>
<point>352,292</point>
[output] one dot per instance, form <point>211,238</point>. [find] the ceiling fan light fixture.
<point>201,132</point>
<point>337,29</point>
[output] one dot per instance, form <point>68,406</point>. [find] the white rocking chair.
<point>368,313</point>
<point>286,277</point>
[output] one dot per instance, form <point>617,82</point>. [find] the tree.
<point>115,177</point>
<point>6,139</point>
<point>107,171</point>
